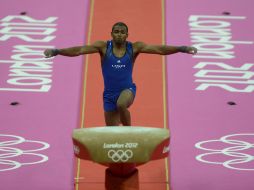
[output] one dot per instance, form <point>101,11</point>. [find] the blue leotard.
<point>117,75</point>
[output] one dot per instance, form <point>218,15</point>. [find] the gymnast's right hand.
<point>51,53</point>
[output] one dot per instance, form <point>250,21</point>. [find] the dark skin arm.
<point>100,47</point>
<point>141,47</point>
<point>96,47</point>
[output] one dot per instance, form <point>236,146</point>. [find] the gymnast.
<point>117,60</point>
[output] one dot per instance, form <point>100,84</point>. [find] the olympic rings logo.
<point>7,151</point>
<point>241,160</point>
<point>120,155</point>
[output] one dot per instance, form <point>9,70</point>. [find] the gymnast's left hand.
<point>191,50</point>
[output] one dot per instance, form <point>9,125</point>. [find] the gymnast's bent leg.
<point>124,101</point>
<point>112,118</point>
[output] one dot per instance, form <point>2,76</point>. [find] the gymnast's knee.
<point>121,107</point>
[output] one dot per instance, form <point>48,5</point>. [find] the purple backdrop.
<point>35,137</point>
<point>211,94</point>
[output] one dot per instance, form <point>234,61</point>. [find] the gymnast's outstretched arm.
<point>96,47</point>
<point>141,47</point>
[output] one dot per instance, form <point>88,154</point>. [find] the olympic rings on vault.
<point>120,155</point>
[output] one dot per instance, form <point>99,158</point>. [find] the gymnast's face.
<point>119,34</point>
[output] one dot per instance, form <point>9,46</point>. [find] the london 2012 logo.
<point>16,151</point>
<point>120,155</point>
<point>235,151</point>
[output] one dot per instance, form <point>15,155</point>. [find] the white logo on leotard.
<point>118,66</point>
